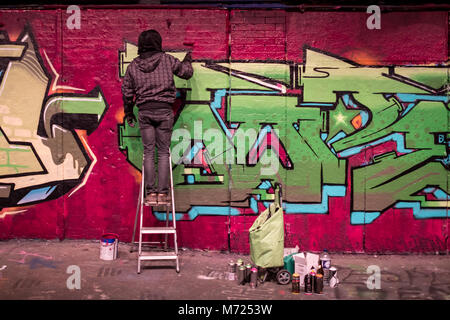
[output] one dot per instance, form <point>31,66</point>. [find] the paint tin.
<point>295,283</point>
<point>109,245</point>
<point>254,278</point>
<point>241,275</point>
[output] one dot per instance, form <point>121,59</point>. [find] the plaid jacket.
<point>150,78</point>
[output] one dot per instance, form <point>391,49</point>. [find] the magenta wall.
<point>88,59</point>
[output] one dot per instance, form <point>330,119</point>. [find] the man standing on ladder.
<point>149,84</point>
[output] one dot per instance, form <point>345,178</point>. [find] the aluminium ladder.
<point>170,206</point>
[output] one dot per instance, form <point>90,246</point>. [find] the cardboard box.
<point>300,266</point>
<point>303,263</point>
<point>312,260</point>
<point>288,251</point>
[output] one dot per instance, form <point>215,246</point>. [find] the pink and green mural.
<point>354,123</point>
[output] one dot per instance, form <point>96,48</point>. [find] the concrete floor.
<point>38,269</point>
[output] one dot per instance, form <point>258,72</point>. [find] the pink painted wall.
<point>88,58</point>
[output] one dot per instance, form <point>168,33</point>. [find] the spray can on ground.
<point>232,267</point>
<point>254,278</point>
<point>241,275</point>
<point>248,272</point>
<point>319,280</point>
<point>313,279</point>
<point>231,274</point>
<point>320,270</point>
<point>295,283</point>
<point>308,284</point>
<point>325,262</point>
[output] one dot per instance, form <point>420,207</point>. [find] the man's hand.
<point>130,119</point>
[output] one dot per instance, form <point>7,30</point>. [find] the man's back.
<point>149,77</point>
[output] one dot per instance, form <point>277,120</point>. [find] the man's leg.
<point>148,142</point>
<point>163,139</point>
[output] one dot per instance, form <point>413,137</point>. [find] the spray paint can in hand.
<point>241,275</point>
<point>254,278</point>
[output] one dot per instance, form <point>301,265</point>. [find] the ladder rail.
<point>133,242</point>
<point>174,219</point>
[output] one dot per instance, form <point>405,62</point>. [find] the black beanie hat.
<point>149,40</point>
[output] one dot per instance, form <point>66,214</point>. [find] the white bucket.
<point>109,246</point>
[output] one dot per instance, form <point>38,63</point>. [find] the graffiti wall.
<point>352,122</point>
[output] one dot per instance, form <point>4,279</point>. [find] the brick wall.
<point>359,120</point>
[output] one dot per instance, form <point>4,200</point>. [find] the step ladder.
<point>166,231</point>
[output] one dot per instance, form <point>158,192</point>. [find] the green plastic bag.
<point>289,263</point>
<point>267,236</point>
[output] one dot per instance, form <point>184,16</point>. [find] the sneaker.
<point>151,199</point>
<point>162,198</point>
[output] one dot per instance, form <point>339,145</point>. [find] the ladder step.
<point>164,204</point>
<point>158,230</point>
<point>158,256</point>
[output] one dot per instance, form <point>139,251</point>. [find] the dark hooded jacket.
<point>149,77</point>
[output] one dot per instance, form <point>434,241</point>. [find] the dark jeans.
<point>156,129</point>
